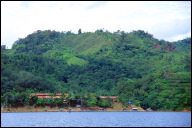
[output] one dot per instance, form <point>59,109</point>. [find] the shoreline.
<point>90,111</point>
<point>74,109</point>
<point>117,107</point>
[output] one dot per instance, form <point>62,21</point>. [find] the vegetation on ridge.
<point>134,66</point>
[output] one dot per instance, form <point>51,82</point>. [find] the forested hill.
<point>134,66</point>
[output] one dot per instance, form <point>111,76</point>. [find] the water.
<point>96,119</point>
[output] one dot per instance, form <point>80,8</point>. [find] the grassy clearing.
<point>89,44</point>
<point>76,61</point>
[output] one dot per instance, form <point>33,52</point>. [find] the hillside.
<point>134,66</point>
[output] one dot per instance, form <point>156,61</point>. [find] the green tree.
<point>79,31</point>
<point>91,100</point>
<point>33,100</point>
<point>40,102</point>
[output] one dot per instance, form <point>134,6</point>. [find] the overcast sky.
<point>168,20</point>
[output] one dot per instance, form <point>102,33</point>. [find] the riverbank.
<point>115,107</point>
<point>184,110</point>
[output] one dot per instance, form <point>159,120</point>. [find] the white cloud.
<point>179,37</point>
<point>168,20</point>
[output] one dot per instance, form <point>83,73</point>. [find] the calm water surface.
<point>96,119</point>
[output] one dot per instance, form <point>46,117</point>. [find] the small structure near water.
<point>130,103</point>
<point>78,106</point>
<point>101,109</point>
<point>134,109</point>
<point>149,110</point>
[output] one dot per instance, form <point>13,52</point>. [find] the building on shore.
<point>47,95</point>
<point>114,98</point>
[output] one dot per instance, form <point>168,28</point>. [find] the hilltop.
<point>134,66</point>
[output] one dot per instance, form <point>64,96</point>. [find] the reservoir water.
<point>96,119</point>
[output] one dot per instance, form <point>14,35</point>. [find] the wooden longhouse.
<point>47,95</point>
<point>114,98</point>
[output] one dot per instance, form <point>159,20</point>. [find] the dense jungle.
<point>134,66</point>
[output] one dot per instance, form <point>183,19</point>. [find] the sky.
<point>167,20</point>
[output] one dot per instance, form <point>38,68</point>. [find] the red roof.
<point>46,95</point>
<point>111,97</point>
<point>40,94</point>
<point>57,97</point>
<point>103,97</point>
